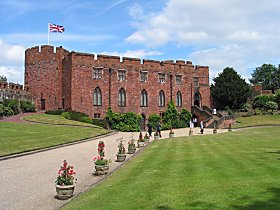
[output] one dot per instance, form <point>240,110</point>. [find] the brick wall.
<point>70,76</point>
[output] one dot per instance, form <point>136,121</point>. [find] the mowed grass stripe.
<point>225,171</point>
<point>17,137</point>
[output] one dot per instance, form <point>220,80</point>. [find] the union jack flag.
<point>56,28</point>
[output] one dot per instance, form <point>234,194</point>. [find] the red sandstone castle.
<point>59,79</point>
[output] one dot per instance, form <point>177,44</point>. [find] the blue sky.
<point>218,33</point>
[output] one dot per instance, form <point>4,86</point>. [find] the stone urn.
<point>147,140</point>
<point>171,135</point>
<point>101,169</point>
<point>131,150</point>
<point>64,192</point>
<point>121,157</point>
<point>141,143</point>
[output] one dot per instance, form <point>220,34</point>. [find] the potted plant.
<point>156,135</point>
<point>229,128</point>
<point>121,152</point>
<point>65,182</point>
<point>171,133</point>
<point>141,141</point>
<point>101,164</point>
<point>146,138</point>
<point>131,145</point>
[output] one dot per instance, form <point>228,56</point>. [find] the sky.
<point>217,33</point>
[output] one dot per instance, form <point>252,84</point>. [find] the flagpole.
<point>48,33</point>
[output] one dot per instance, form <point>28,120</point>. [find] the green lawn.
<point>237,170</point>
<point>257,120</point>
<point>54,120</point>
<point>17,137</point>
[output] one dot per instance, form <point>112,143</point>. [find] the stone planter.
<point>131,150</point>
<point>156,137</point>
<point>64,192</point>
<point>101,169</point>
<point>171,135</point>
<point>121,157</point>
<point>147,140</point>
<point>141,143</point>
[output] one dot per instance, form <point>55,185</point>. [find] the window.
<point>179,99</point>
<point>122,75</point>
<point>97,97</point>
<point>97,73</point>
<point>96,115</point>
<point>161,77</point>
<point>178,79</point>
<point>122,97</point>
<point>144,98</point>
<point>161,114</point>
<point>195,81</point>
<point>161,98</point>
<point>143,76</point>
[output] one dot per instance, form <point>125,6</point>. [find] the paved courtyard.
<point>27,182</point>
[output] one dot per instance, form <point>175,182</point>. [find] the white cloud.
<point>136,12</point>
<point>11,61</point>
<point>13,73</point>
<point>11,54</point>
<point>234,33</point>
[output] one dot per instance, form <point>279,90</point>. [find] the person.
<point>195,121</point>
<point>201,127</point>
<point>159,129</point>
<point>191,128</point>
<point>150,129</point>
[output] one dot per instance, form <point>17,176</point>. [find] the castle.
<point>59,79</point>
<point>13,91</point>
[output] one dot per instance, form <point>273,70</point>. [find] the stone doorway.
<point>143,122</point>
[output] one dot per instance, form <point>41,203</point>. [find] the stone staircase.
<point>218,120</point>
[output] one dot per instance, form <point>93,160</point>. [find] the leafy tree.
<point>184,117</point>
<point>230,90</point>
<point>3,78</point>
<point>277,97</point>
<point>171,116</point>
<point>268,76</point>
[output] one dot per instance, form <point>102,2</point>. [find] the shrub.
<point>77,116</point>
<point>184,118</point>
<point>13,104</point>
<point>100,122</point>
<point>260,100</point>
<point>123,122</point>
<point>27,106</point>
<point>271,107</point>
<point>171,116</point>
<point>55,112</point>
<point>277,97</point>
<point>66,115</point>
<point>153,120</point>
<point>86,120</point>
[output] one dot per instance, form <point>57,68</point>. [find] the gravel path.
<point>18,118</point>
<point>27,182</point>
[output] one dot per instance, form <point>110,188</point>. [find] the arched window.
<point>161,98</point>
<point>97,97</point>
<point>197,99</point>
<point>122,97</point>
<point>144,98</point>
<point>179,99</point>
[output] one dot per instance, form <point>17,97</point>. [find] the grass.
<point>256,120</point>
<point>55,120</point>
<point>236,170</point>
<point>17,137</point>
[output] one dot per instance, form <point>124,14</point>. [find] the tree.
<point>268,76</point>
<point>3,78</point>
<point>171,116</point>
<point>230,90</point>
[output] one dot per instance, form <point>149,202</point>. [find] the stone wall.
<point>13,91</point>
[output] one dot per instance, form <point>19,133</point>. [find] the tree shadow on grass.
<point>276,152</point>
<point>162,207</point>
<point>271,204</point>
